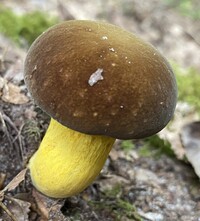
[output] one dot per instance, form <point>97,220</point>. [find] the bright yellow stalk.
<point>67,161</point>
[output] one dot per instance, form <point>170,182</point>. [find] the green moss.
<point>114,191</point>
<point>113,202</point>
<point>119,209</point>
<point>189,8</point>
<point>188,81</point>
<point>24,29</point>
<point>127,145</point>
<point>32,130</point>
<point>128,209</point>
<point>144,151</point>
<point>155,146</point>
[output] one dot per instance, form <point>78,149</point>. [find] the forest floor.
<point>139,181</point>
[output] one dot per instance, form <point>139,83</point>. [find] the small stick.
<point>8,211</point>
<point>5,129</point>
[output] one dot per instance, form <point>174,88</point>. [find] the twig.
<point>19,136</point>
<point>8,211</point>
<point>5,129</point>
<point>19,133</point>
<point>7,119</point>
<point>4,118</point>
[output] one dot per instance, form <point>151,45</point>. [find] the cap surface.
<point>97,78</point>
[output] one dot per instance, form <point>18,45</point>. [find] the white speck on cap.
<point>104,37</point>
<point>95,77</point>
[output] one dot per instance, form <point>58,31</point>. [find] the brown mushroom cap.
<point>97,78</point>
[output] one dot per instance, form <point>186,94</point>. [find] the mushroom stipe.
<point>99,83</point>
<point>72,160</point>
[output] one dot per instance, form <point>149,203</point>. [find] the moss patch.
<point>24,29</point>
<point>127,145</point>
<point>155,146</point>
<point>119,209</point>
<point>188,81</point>
<point>189,8</point>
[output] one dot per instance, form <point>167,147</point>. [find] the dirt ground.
<point>130,186</point>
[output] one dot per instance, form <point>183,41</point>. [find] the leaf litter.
<point>130,185</point>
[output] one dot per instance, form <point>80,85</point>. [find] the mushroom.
<point>98,83</point>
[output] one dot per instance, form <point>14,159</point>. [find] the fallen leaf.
<point>190,136</point>
<point>18,208</point>
<point>48,208</point>
<point>184,114</point>
<point>55,213</point>
<point>14,182</point>
<point>41,204</point>
<point>11,93</point>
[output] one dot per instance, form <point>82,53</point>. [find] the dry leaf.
<point>41,202</point>
<point>23,211</point>
<point>48,208</point>
<point>15,181</point>
<point>190,136</point>
<point>183,115</point>
<point>18,208</point>
<point>11,93</point>
<point>55,213</point>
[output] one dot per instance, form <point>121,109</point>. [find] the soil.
<point>130,186</point>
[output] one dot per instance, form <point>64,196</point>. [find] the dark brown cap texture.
<point>99,79</point>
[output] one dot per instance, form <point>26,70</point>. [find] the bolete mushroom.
<point>98,82</point>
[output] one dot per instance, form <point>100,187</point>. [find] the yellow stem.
<point>67,161</point>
